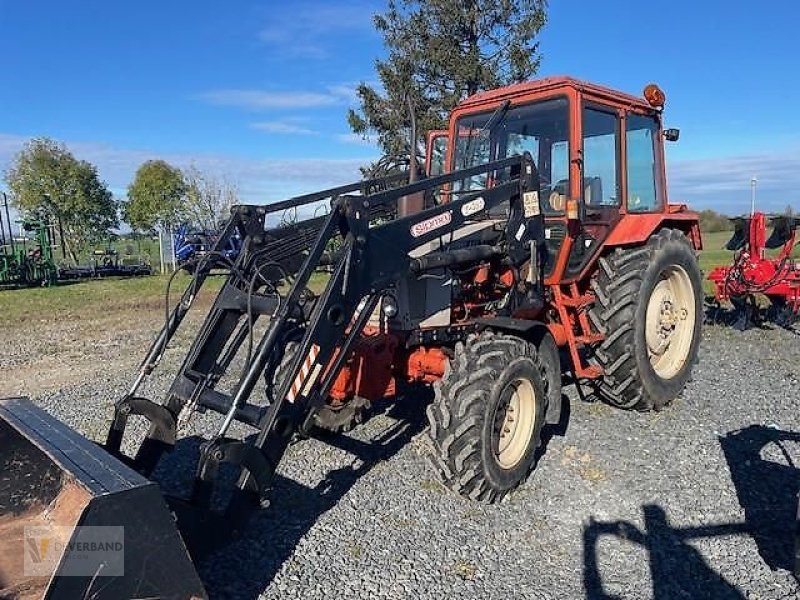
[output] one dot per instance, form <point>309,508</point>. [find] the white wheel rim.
<point>670,323</point>
<point>515,419</point>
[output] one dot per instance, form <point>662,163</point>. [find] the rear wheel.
<point>487,416</point>
<point>649,305</point>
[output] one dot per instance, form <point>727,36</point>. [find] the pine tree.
<point>438,53</point>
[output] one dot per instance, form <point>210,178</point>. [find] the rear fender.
<point>633,229</point>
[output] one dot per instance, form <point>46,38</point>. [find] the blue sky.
<point>258,91</point>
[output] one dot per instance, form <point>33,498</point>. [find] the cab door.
<point>600,182</point>
<point>645,186</point>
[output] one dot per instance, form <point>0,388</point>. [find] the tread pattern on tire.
<point>616,289</point>
<point>457,413</point>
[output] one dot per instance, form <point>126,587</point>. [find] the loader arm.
<point>373,255</point>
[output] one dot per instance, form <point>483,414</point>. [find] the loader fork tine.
<point>160,438</point>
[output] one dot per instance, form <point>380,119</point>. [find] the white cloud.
<point>356,138</point>
<point>287,127</point>
<point>724,183</point>
<point>260,180</point>
<point>261,100</point>
<point>345,91</point>
<point>303,31</point>
<point>258,100</point>
<point>719,183</point>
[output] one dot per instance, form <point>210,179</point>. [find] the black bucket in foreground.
<point>77,523</point>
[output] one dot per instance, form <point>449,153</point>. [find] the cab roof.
<point>538,86</point>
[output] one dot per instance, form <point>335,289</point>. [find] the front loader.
<point>547,247</point>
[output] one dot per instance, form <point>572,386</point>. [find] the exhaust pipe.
<point>77,523</point>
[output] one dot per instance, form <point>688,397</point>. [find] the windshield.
<point>541,128</point>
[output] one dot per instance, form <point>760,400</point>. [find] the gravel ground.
<point>697,501</point>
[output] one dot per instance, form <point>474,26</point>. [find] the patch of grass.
<point>583,464</point>
<point>465,569</point>
<point>355,551</point>
<point>714,255</point>
<point>472,514</point>
<point>593,473</point>
<point>98,297</point>
<point>598,409</point>
<point>431,485</point>
<point>90,298</point>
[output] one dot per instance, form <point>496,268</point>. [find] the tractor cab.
<point>599,155</point>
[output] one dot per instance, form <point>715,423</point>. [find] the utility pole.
<point>753,183</point>
<point>161,249</point>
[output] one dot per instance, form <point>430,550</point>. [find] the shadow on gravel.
<point>677,569</point>
<point>765,468</point>
<point>245,567</point>
<point>551,430</point>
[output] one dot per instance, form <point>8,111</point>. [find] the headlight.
<point>389,306</point>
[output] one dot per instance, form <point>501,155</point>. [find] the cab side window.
<point>641,132</point>
<point>437,150</point>
<point>600,185</point>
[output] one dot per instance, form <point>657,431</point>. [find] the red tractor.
<point>754,273</point>
<point>547,245</point>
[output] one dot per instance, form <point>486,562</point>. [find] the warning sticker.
<point>530,204</point>
<point>302,376</point>
<point>418,229</point>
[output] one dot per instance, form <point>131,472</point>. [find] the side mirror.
<point>672,135</point>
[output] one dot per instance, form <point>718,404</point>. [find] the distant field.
<point>87,299</point>
<point>98,297</point>
<point>714,253</point>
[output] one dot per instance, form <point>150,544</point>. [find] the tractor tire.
<point>480,450</point>
<point>336,420</point>
<point>649,305</point>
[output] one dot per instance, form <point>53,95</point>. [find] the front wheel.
<point>649,303</point>
<point>487,415</point>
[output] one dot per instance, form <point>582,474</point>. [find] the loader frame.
<point>370,261</point>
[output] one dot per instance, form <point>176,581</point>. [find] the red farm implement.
<point>754,273</point>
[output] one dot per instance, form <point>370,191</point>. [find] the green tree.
<point>711,221</point>
<point>438,53</point>
<point>209,198</point>
<point>155,197</point>
<point>45,178</point>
